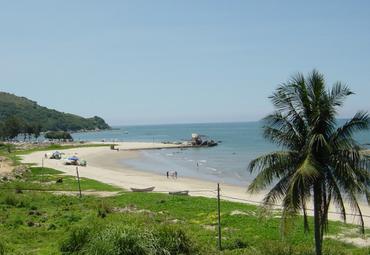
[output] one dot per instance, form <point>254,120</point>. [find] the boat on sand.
<point>143,190</point>
<point>179,193</point>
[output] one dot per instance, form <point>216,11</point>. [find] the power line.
<point>262,203</point>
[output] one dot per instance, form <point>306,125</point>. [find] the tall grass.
<point>76,240</point>
<point>2,248</point>
<point>127,240</point>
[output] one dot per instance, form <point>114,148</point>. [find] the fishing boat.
<point>179,193</point>
<point>143,190</point>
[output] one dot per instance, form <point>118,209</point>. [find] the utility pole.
<point>78,179</point>
<point>219,216</point>
<point>42,169</point>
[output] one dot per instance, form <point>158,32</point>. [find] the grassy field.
<point>15,153</point>
<point>34,222</point>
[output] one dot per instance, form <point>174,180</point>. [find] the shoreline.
<point>103,166</point>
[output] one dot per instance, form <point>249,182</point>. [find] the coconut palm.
<point>319,160</point>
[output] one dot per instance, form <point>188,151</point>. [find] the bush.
<point>118,241</point>
<point>172,240</point>
<point>10,199</point>
<point>15,222</point>
<point>334,251</point>
<point>76,240</point>
<point>2,248</point>
<point>104,208</point>
<point>283,248</point>
<point>126,240</point>
<point>235,244</point>
<point>58,135</point>
<point>276,248</point>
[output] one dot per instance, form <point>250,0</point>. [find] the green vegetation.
<point>13,127</point>
<point>51,179</point>
<point>58,135</point>
<point>10,150</point>
<point>319,158</point>
<point>123,239</point>
<point>16,113</point>
<point>134,223</point>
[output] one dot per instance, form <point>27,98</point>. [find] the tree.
<point>58,135</point>
<point>28,130</point>
<point>319,160</point>
<point>2,131</point>
<point>12,127</point>
<point>37,130</point>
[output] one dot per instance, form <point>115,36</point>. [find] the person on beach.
<point>167,174</point>
<point>46,155</point>
<point>175,174</point>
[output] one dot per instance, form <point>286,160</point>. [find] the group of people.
<point>173,174</point>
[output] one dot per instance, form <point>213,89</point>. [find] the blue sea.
<point>225,163</point>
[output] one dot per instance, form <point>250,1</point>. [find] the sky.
<point>152,62</point>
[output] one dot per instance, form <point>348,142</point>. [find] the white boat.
<point>143,190</point>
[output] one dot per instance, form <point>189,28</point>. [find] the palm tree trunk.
<point>317,218</point>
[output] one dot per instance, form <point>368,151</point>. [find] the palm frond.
<point>337,196</point>
<point>271,159</point>
<point>343,134</point>
<point>356,208</point>
<point>316,87</point>
<point>338,93</point>
<point>300,182</point>
<point>271,166</point>
<point>280,130</point>
<point>278,191</point>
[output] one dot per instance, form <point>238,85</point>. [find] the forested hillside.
<point>29,112</point>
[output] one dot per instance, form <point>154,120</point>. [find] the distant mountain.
<point>30,112</point>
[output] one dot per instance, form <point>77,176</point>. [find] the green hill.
<point>30,112</point>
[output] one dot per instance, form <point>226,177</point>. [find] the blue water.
<point>225,163</point>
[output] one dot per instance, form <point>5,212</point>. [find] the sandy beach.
<point>106,165</point>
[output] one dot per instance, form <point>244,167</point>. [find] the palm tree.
<point>318,159</point>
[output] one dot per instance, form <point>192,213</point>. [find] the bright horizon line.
<point>196,123</point>
<point>185,123</point>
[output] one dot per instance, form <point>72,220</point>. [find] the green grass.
<point>46,179</point>
<point>40,222</point>
<point>15,153</point>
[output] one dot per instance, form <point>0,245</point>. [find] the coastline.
<point>105,165</point>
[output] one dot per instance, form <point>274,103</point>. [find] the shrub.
<point>276,248</point>
<point>15,222</point>
<point>104,208</point>
<point>235,244</point>
<point>126,240</point>
<point>334,251</point>
<point>58,135</point>
<point>118,241</point>
<point>76,240</point>
<point>173,240</point>
<point>2,248</point>
<point>10,199</point>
